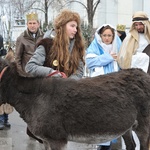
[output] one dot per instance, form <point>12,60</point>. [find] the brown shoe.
<point>32,136</point>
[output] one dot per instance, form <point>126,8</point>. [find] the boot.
<point>32,136</point>
<point>1,125</point>
<point>103,147</point>
<point>7,124</point>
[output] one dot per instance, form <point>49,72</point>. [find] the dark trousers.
<point>4,118</point>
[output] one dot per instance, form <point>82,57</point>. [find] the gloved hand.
<point>56,73</point>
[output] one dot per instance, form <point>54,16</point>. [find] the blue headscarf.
<point>97,57</point>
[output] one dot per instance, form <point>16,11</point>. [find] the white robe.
<point>141,60</point>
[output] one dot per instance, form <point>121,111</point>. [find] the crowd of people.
<point>63,48</point>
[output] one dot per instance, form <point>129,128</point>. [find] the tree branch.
<point>95,5</point>
<point>77,2</point>
<point>39,9</point>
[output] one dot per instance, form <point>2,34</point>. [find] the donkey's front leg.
<point>55,145</point>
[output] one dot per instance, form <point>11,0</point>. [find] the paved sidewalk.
<point>16,138</point>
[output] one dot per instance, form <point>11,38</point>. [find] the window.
<point>19,22</point>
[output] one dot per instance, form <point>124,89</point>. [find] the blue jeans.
<point>4,118</point>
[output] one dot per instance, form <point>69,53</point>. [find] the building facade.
<point>108,11</point>
<point>115,11</point>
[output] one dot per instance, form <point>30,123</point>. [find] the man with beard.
<point>135,49</point>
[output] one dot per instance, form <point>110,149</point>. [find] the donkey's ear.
<point>10,56</point>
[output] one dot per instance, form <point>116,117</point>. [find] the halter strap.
<point>2,72</point>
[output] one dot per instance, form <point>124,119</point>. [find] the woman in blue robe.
<point>101,56</point>
<point>102,53</point>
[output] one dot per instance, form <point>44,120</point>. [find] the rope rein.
<point>56,72</point>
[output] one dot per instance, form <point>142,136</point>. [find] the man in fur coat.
<point>25,46</point>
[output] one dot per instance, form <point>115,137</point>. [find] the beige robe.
<point>131,42</point>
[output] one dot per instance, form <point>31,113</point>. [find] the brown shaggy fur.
<point>10,56</point>
<point>90,110</point>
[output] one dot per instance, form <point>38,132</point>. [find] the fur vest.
<point>47,43</point>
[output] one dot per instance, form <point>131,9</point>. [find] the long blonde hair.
<point>68,62</point>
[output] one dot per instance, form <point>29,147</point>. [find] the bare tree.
<point>22,6</point>
<point>9,11</point>
<point>44,6</point>
<point>90,6</point>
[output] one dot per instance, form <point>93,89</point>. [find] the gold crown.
<point>121,27</point>
<point>32,16</point>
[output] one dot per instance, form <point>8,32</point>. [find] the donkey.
<point>89,110</point>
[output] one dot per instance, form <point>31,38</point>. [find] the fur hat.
<point>64,17</point>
